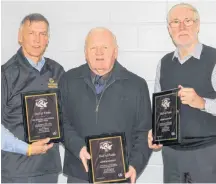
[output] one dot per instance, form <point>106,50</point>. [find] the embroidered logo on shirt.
<point>52,83</point>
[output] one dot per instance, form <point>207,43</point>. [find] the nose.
<point>182,26</point>
<point>99,51</point>
<point>37,38</point>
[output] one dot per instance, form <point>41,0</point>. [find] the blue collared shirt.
<point>100,81</point>
<point>38,66</point>
<point>10,143</point>
<point>196,53</point>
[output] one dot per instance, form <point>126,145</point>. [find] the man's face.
<point>101,52</point>
<point>33,37</point>
<point>183,27</point>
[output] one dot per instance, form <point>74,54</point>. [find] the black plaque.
<point>108,162</point>
<point>42,116</point>
<point>166,117</point>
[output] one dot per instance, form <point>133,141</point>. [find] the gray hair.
<point>34,17</point>
<point>186,5</point>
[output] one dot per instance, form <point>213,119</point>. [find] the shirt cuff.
<point>21,147</point>
<point>210,106</point>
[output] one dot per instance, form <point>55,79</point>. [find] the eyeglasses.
<point>187,22</point>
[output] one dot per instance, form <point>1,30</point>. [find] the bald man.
<point>101,96</point>
<point>192,68</point>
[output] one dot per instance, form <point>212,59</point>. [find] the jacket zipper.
<point>98,101</point>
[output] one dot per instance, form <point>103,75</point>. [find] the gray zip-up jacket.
<point>19,76</point>
<point>124,106</point>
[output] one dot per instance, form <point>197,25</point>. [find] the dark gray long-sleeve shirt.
<point>19,76</point>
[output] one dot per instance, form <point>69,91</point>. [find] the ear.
<point>198,26</point>
<point>116,52</point>
<point>85,52</point>
<point>47,43</point>
<point>20,39</point>
<point>169,29</point>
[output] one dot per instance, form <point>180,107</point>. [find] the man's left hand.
<point>189,97</point>
<point>131,174</point>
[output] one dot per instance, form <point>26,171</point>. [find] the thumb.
<point>87,155</point>
<point>50,146</point>
<point>44,141</point>
<point>129,173</point>
<point>180,86</point>
<point>150,135</point>
<point>180,90</point>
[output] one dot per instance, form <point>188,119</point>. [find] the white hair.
<point>98,29</point>
<point>186,5</point>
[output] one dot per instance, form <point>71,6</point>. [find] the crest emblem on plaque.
<point>41,103</point>
<point>165,103</point>
<point>106,146</point>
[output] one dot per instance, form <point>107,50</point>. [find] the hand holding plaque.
<point>42,116</point>
<point>166,117</point>
<point>84,157</point>
<point>131,174</point>
<point>150,142</point>
<point>108,158</point>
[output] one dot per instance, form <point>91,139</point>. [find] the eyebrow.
<point>179,19</point>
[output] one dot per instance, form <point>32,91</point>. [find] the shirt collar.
<point>196,52</point>
<point>37,65</point>
<point>103,78</point>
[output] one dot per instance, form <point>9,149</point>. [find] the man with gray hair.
<point>191,68</point>
<point>28,71</point>
<point>102,96</point>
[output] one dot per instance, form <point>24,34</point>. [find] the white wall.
<point>140,28</point>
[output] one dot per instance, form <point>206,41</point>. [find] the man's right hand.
<point>40,146</point>
<point>150,139</point>
<point>84,156</point>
